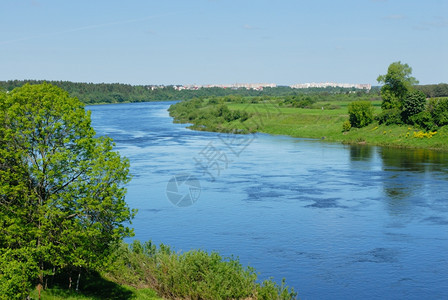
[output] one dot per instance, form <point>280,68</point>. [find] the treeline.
<point>434,90</point>
<point>94,93</point>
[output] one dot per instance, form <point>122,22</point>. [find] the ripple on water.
<point>377,255</point>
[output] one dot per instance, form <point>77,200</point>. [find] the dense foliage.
<point>302,101</point>
<point>209,115</point>
<point>191,275</point>
<point>360,113</point>
<point>434,90</point>
<point>61,188</point>
<point>397,83</point>
<point>413,104</point>
<point>405,103</point>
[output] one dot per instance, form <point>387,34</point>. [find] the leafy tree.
<point>61,188</point>
<point>397,83</point>
<point>360,113</point>
<point>439,111</point>
<point>413,104</point>
<point>424,120</point>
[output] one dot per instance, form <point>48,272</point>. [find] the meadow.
<point>322,119</point>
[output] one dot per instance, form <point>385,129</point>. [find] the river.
<point>337,221</point>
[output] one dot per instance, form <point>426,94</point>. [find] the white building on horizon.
<point>331,84</point>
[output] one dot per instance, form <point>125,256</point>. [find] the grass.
<point>94,286</point>
<point>128,293</point>
<point>191,275</point>
<point>326,124</point>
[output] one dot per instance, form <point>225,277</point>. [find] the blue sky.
<point>222,41</point>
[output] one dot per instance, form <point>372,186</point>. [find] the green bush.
<point>423,120</point>
<point>346,126</point>
<point>206,116</point>
<point>270,290</point>
<point>390,116</point>
<point>190,275</point>
<point>300,101</point>
<point>360,113</point>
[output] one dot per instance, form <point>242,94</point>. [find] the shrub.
<point>423,120</point>
<point>360,113</point>
<point>191,275</point>
<point>300,101</point>
<point>346,126</point>
<point>270,290</point>
<point>390,116</point>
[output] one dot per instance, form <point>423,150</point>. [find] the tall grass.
<point>191,275</point>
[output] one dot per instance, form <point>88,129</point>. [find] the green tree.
<point>439,110</point>
<point>61,188</point>
<point>360,113</point>
<point>397,83</point>
<point>413,104</point>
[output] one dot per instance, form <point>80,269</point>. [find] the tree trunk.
<point>77,281</point>
<point>41,278</point>
<point>39,289</point>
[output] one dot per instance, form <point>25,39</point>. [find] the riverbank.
<point>145,271</point>
<point>321,120</point>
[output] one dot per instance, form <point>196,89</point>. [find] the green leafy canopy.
<point>61,188</point>
<point>397,83</point>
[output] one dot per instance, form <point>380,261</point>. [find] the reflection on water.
<point>336,221</point>
<point>361,152</point>
<point>408,174</point>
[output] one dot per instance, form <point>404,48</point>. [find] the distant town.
<point>261,86</point>
<point>331,84</point>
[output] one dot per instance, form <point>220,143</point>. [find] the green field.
<point>327,125</point>
<point>323,120</point>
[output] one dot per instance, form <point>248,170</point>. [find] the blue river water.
<point>337,221</point>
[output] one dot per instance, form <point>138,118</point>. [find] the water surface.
<point>338,222</point>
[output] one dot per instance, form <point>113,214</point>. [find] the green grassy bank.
<point>144,271</point>
<point>320,120</point>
